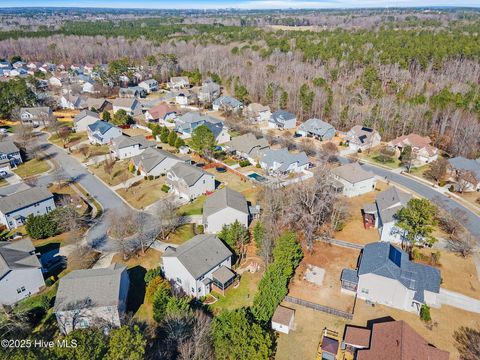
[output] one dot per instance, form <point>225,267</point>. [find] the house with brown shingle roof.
<point>421,147</point>
<point>161,113</point>
<point>393,340</point>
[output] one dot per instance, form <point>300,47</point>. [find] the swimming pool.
<point>257,177</point>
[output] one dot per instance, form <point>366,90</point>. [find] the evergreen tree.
<point>203,139</point>
<point>126,343</point>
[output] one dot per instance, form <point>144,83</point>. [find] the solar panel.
<point>395,256</point>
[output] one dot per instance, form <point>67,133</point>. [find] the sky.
<point>242,4</point>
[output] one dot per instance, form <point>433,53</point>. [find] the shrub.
<point>199,229</point>
<point>152,273</point>
<point>425,313</point>
<point>359,151</point>
<point>150,177</point>
<point>451,188</point>
<point>165,188</point>
<point>138,172</point>
<point>49,282</point>
<point>258,166</point>
<point>42,226</point>
<point>340,143</point>
<point>153,285</point>
<point>244,163</point>
<point>131,168</point>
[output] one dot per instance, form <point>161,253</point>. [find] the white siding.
<point>82,124</point>
<point>359,188</point>
<point>31,279</point>
<point>15,219</point>
<point>215,222</point>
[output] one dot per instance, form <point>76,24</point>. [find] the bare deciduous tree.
<point>122,229</point>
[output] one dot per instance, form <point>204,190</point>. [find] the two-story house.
<point>10,155</point>
<point>39,115</point>
<point>282,162</point>
<point>124,147</point>
<point>247,146</point>
<point>102,133</point>
<point>189,182</point>
<point>282,119</point>
<point>83,119</point>
<point>149,85</point>
<point>155,162</point>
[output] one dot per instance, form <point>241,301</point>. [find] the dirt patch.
<point>333,259</point>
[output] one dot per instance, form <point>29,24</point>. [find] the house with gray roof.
<point>39,115</point>
<point>188,122</point>
<point>385,275</point>
<point>69,101</point>
<point>208,92</point>
<point>317,129</point>
<point>92,298</point>
<point>9,154</point>
<point>15,208</point>
<point>465,172</point>
<point>149,85</point>
<point>102,132</point>
<point>83,119</point>
<point>227,103</point>
<point>178,82</point>
<point>100,104</point>
<point>132,92</point>
<point>257,113</point>
<point>189,182</point>
<point>154,162</point>
<point>224,207</point>
<point>124,146</point>
<point>247,146</point>
<point>362,138</point>
<point>282,119</point>
<point>198,265</point>
<point>20,271</point>
<point>354,179</point>
<point>282,162</point>
<point>382,214</point>
<point>131,106</point>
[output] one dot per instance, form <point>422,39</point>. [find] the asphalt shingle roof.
<point>17,255</point>
<point>281,116</point>
<point>316,126</point>
<point>283,157</point>
<point>101,126</point>
<point>352,173</point>
<point>228,101</point>
<point>390,201</point>
<point>190,174</point>
<point>461,163</point>
<point>222,199</point>
<point>151,157</point>
<point>248,144</point>
<point>23,199</point>
<point>8,147</point>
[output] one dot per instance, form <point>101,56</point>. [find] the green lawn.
<point>241,296</point>
<point>193,208</point>
<point>419,171</point>
<point>182,234</point>
<point>73,138</point>
<point>375,156</point>
<point>31,168</point>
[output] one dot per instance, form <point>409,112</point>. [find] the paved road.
<point>452,298</point>
<point>453,207</point>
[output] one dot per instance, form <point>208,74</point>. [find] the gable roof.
<point>352,173</point>
<point>283,157</point>
<point>90,288</point>
<point>282,116</point>
<point>151,157</point>
<point>100,126</point>
<point>227,101</point>
<point>124,141</point>
<point>316,126</point>
<point>283,315</point>
<point>125,102</point>
<point>461,163</point>
<point>222,199</point>
<point>8,147</point>
<point>190,174</point>
<point>84,113</point>
<point>36,111</point>
<point>200,254</point>
<point>159,111</point>
<point>248,144</point>
<point>23,199</point>
<point>390,201</point>
<point>415,141</point>
<point>95,103</point>
<point>397,340</point>
<point>361,134</point>
<point>17,255</point>
<point>384,259</point>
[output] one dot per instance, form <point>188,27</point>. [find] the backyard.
<point>192,208</point>
<point>143,193</point>
<point>237,183</point>
<point>181,234</point>
<point>32,167</point>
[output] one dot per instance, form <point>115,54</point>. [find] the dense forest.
<point>416,74</point>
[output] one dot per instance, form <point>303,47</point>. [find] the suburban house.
<point>188,122</point>
<point>219,132</point>
<point>154,162</point>
<point>124,147</point>
<point>227,103</point>
<point>224,207</point>
<point>189,182</point>
<point>198,265</point>
<point>92,297</point>
<point>100,104</point>
<point>131,106</point>
<point>282,119</point>
<point>73,102</point>
<point>55,81</point>
<point>178,82</point>
<point>83,119</point>
<point>89,87</point>
<point>248,147</point>
<point>149,85</point>
<point>10,155</point>
<point>283,319</point>
<point>185,97</point>
<point>283,162</point>
<point>422,149</point>
<point>389,340</point>
<point>161,113</point>
<point>102,132</point>
<point>465,172</point>
<point>132,92</point>
<point>208,92</point>
<point>39,115</point>
<point>354,180</point>
<point>362,138</point>
<point>15,208</point>
<point>20,271</point>
<point>257,113</point>
<point>381,214</point>
<point>317,129</point>
<point>385,275</point>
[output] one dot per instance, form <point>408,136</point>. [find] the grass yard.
<point>119,173</point>
<point>150,260</point>
<point>239,297</point>
<point>183,233</point>
<point>374,156</point>
<point>420,170</point>
<point>143,192</point>
<point>73,139</point>
<point>193,208</point>
<point>237,183</point>
<point>302,342</point>
<point>31,168</point>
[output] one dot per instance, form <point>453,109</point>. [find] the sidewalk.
<point>127,184</point>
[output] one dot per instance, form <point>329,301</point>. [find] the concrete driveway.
<point>458,300</point>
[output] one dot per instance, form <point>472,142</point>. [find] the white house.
<point>92,297</point>
<point>362,138</point>
<point>83,119</point>
<point>39,115</point>
<point>282,161</point>
<point>155,162</point>
<point>227,103</point>
<point>282,119</point>
<point>124,147</point>
<point>20,271</point>
<point>131,106</point>
<point>162,114</point>
<point>381,214</point>
<point>257,113</point>
<point>283,319</point>
<point>188,122</point>
<point>385,275</point>
<point>55,81</point>
<point>178,82</point>
<point>10,154</point>
<point>149,85</point>
<point>189,182</point>
<point>248,147</point>
<point>354,180</point>
<point>208,92</point>
<point>465,173</point>
<point>317,129</point>
<point>15,208</point>
<point>224,207</point>
<point>198,265</point>
<point>102,133</point>
<point>89,87</point>
<point>185,98</point>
